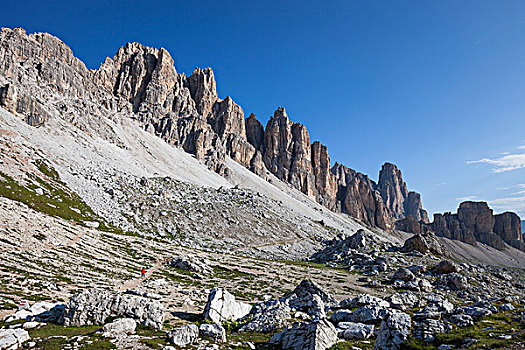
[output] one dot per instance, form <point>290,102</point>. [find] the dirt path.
<point>21,249</point>
<point>134,283</point>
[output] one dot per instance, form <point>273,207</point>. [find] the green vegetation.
<point>54,198</point>
<point>54,337</point>
<point>259,339</point>
<point>346,345</point>
<point>47,169</point>
<point>51,329</point>
<point>155,343</point>
<point>486,333</point>
<point>230,274</point>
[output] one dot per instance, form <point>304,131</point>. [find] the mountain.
<point>143,84</point>
<point>133,195</point>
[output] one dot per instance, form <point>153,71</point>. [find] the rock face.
<point>396,196</point>
<point>222,306</point>
<point>95,307</point>
<point>287,152</point>
<point>508,227</point>
<point>38,70</point>
<point>475,222</point>
<point>357,196</point>
<point>318,335</point>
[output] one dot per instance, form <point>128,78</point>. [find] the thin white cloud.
<point>441,184</point>
<point>522,147</point>
<point>505,163</point>
<point>467,198</point>
<point>515,204</point>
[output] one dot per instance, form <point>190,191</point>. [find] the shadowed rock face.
<point>357,196</point>
<point>396,196</point>
<point>142,83</point>
<point>508,226</point>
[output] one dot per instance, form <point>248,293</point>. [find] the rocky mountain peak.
<point>142,75</point>
<point>280,112</point>
<point>396,196</point>
<point>393,189</point>
<point>254,131</point>
<point>203,89</point>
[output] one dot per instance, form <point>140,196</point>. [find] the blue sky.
<point>436,87</point>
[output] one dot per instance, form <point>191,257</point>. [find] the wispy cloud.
<point>505,163</point>
<point>515,204</point>
<point>441,184</point>
<point>467,198</point>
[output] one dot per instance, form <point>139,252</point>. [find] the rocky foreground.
<point>407,297</point>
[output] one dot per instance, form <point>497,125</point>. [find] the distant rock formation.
<point>139,82</point>
<point>474,222</point>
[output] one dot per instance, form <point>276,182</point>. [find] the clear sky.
<point>436,87</point>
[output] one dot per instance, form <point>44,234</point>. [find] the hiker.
<point>143,273</point>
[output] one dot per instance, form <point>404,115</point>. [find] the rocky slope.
<point>41,79</point>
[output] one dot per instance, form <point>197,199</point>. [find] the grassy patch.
<point>54,337</point>
<point>486,332</point>
<point>259,339</point>
<point>155,343</point>
<point>56,330</point>
<point>346,345</point>
<point>56,200</point>
<point>99,344</point>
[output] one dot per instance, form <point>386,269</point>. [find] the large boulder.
<point>191,263</point>
<point>183,336</point>
<point>41,311</point>
<point>404,300</point>
<point>11,339</point>
<point>308,287</point>
<point>354,331</point>
<point>222,306</point>
<point>365,314</point>
<point>318,335</point>
<point>394,330</point>
<point>94,306</point>
<point>446,266</point>
<point>214,331</point>
<point>267,316</point>
<point>312,304</point>
<point>121,326</point>
<point>423,243</point>
<point>426,329</point>
<point>403,274</point>
<point>457,281</point>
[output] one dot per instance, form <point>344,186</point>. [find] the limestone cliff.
<point>40,78</point>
